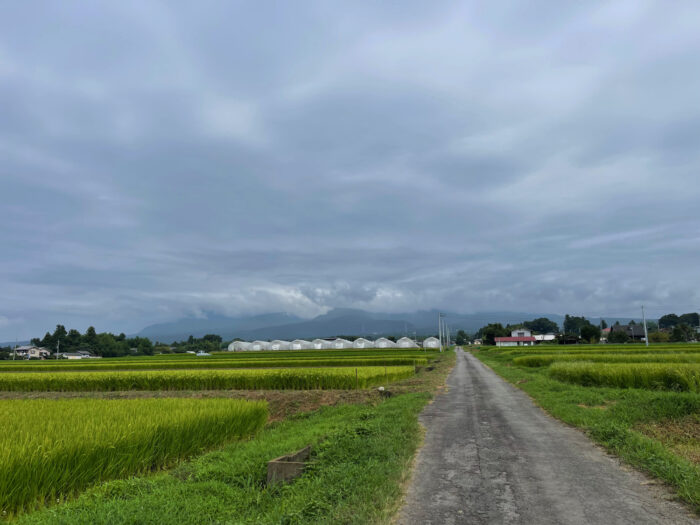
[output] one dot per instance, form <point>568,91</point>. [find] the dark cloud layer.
<point>164,159</point>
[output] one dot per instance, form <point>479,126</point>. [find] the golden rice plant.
<point>49,449</point>
<point>245,379</point>
<point>655,376</point>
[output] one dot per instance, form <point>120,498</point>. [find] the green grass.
<point>359,459</point>
<point>610,417</point>
<point>654,376</point>
<point>49,449</point>
<point>293,378</point>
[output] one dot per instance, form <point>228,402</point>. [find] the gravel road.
<point>492,456</point>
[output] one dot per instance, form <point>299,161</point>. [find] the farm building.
<point>259,345</point>
<point>33,352</point>
<point>633,331</point>
<point>519,337</point>
<point>361,342</point>
<point>320,344</point>
<point>406,342</point>
<point>383,342</point>
<point>278,344</point>
<point>301,344</point>
<point>544,337</point>
<point>238,346</point>
<point>431,342</point>
<point>341,343</point>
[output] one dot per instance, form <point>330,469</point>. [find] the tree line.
<point>106,344</point>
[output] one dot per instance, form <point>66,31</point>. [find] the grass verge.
<point>613,417</point>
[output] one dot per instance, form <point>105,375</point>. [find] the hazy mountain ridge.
<point>339,321</point>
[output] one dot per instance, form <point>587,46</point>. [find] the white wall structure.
<point>320,344</point>
<point>278,344</point>
<point>301,344</point>
<point>259,345</point>
<point>383,342</point>
<point>406,342</point>
<point>521,332</point>
<point>341,343</point>
<point>237,346</point>
<point>431,342</point>
<point>361,342</point>
<point>544,337</point>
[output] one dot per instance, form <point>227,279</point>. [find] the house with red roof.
<point>519,337</point>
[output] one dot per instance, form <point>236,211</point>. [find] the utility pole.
<point>440,329</point>
<point>58,348</point>
<point>646,334</point>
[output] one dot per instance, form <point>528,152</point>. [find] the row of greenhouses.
<point>330,344</point>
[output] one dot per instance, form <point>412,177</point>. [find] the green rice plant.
<point>653,376</point>
<point>49,449</point>
<point>269,378</point>
<point>182,364</point>
<point>548,359</point>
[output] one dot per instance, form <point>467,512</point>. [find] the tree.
<point>542,325</point>
<point>692,319</point>
<point>59,335</point>
<point>678,335</point>
<point>603,324</point>
<point>590,333</point>
<point>90,338</point>
<point>618,337</point>
<point>668,321</point>
<point>461,338</point>
<point>573,324</point>
<point>491,331</point>
<point>659,337</point>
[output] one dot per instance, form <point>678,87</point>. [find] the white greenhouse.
<point>431,342</point>
<point>278,344</point>
<point>301,344</point>
<point>340,343</point>
<point>406,342</point>
<point>237,346</point>
<point>361,342</point>
<point>320,344</point>
<point>383,342</point>
<point>259,345</point>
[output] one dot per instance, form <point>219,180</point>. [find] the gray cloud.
<point>162,159</point>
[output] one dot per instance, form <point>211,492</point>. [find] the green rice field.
<point>49,449</point>
<point>246,379</point>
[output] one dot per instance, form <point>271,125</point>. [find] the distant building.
<point>278,344</point>
<point>301,344</point>
<point>633,331</point>
<point>431,342</point>
<point>320,344</point>
<point>259,345</point>
<point>361,342</point>
<point>383,342</point>
<point>340,343</point>
<point>544,337</point>
<point>32,352</point>
<point>239,346</point>
<point>406,342</point>
<point>519,337</point>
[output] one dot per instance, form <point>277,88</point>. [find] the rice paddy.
<point>52,449</point>
<point>49,449</point>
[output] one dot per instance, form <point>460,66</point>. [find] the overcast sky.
<point>167,159</point>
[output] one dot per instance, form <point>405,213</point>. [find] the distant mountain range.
<point>337,322</point>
